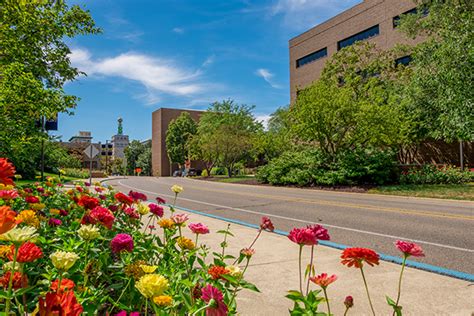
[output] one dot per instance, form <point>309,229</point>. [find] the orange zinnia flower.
<point>357,256</point>
<point>7,172</point>
<point>216,272</point>
<point>7,219</point>
<point>28,252</point>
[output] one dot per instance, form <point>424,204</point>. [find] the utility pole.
<point>461,155</point>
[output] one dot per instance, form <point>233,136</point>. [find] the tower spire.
<point>120,127</point>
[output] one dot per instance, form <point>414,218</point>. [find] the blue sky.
<point>184,54</point>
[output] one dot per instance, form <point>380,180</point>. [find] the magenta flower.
<point>320,232</point>
<point>218,308</point>
<point>409,248</point>
<point>137,196</point>
<point>54,222</point>
<point>122,243</point>
<point>179,219</point>
<point>266,224</point>
<point>199,228</point>
<point>131,212</point>
<point>156,209</point>
<point>303,236</point>
<point>63,212</point>
<point>160,200</point>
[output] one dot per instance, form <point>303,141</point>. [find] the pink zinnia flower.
<point>40,189</point>
<point>121,243</point>
<point>8,194</point>
<point>266,224</point>
<point>54,222</point>
<point>219,308</point>
<point>320,232</point>
<point>179,219</point>
<point>156,210</point>
<point>32,199</point>
<point>198,228</point>
<point>409,248</point>
<point>323,280</point>
<point>248,252</point>
<point>160,200</point>
<point>303,236</point>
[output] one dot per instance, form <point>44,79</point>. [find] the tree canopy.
<point>178,136</point>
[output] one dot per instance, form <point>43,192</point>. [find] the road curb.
<point>413,264</point>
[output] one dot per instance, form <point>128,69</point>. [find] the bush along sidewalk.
<point>86,251</point>
<point>307,301</point>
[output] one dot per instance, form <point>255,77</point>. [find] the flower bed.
<point>86,250</point>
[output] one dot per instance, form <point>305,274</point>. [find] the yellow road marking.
<point>341,204</point>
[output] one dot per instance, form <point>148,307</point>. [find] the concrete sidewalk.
<point>274,270</point>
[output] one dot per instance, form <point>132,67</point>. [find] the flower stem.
<point>201,309</point>
<point>299,264</point>
<point>196,241</point>
<point>123,291</point>
<point>240,279</point>
<point>146,307</point>
<point>367,290</point>
<point>400,282</point>
<point>10,282</point>
<point>327,301</point>
<point>310,268</point>
<point>347,309</point>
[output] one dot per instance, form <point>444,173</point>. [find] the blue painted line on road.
<point>418,265</point>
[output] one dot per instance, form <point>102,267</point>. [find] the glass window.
<point>396,19</point>
<point>368,33</point>
<point>312,57</point>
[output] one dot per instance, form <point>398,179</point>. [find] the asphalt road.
<point>444,228</point>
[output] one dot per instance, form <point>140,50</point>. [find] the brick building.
<point>161,119</point>
<point>371,20</point>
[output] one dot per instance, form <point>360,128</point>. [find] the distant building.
<point>119,142</point>
<point>161,119</point>
<point>77,145</point>
<point>371,20</point>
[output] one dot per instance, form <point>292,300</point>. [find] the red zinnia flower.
<point>323,280</point>
<point>103,216</point>
<point>28,252</point>
<point>303,236</point>
<point>64,304</point>
<point>8,194</point>
<point>66,285</point>
<point>219,308</point>
<point>88,202</point>
<point>19,280</point>
<point>160,200</point>
<point>356,257</point>
<point>349,301</point>
<point>131,212</point>
<point>137,196</point>
<point>7,171</point>
<point>122,198</point>
<point>267,224</point>
<point>7,219</point>
<point>156,210</point>
<point>199,228</point>
<point>409,248</point>
<point>32,199</point>
<point>217,272</point>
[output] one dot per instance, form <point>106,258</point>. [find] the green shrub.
<point>76,173</point>
<point>313,167</point>
<point>218,171</point>
<point>430,174</point>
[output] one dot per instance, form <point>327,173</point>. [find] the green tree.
<point>34,66</point>
<point>226,134</point>
<point>144,161</point>
<point>132,155</point>
<point>178,136</point>
<point>440,91</point>
<point>352,105</point>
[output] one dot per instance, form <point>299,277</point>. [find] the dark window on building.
<point>312,57</point>
<point>405,60</point>
<point>368,33</point>
<point>396,19</point>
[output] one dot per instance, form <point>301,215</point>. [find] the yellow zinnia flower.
<point>54,211</point>
<point>148,269</point>
<point>234,270</point>
<point>177,189</point>
<point>151,285</point>
<point>185,243</point>
<point>166,223</point>
<point>29,218</point>
<point>63,260</point>
<point>163,300</point>
<point>89,232</point>
<point>4,251</point>
<point>19,235</point>
<point>143,209</point>
<point>38,206</point>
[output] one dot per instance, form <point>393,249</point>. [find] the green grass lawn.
<point>64,179</point>
<point>442,191</point>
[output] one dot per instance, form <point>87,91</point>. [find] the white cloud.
<point>178,30</point>
<point>157,75</point>
<point>267,76</point>
<point>263,118</point>
<point>302,14</point>
<point>209,61</point>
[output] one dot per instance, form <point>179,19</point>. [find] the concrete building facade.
<point>371,20</point>
<point>161,119</point>
<point>119,142</point>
